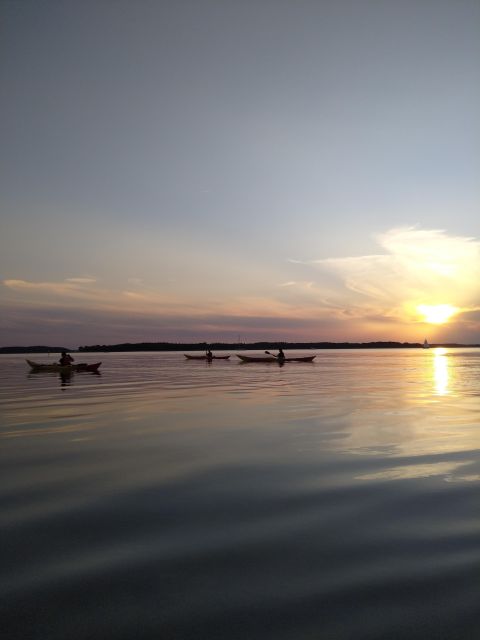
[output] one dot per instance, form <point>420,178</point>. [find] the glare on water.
<point>440,364</point>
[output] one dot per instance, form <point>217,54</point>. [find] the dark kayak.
<point>54,366</point>
<point>274,359</point>
<point>206,357</point>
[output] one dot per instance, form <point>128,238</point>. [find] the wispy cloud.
<point>365,297</point>
<point>71,289</point>
<point>85,280</point>
<point>416,267</point>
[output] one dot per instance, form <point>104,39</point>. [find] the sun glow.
<point>437,314</point>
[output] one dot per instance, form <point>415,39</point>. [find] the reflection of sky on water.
<point>373,405</point>
<point>410,471</point>
<point>351,476</point>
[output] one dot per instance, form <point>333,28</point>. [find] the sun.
<point>438,313</point>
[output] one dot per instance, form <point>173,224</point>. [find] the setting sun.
<point>437,314</point>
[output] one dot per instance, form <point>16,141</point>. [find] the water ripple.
<point>173,499</point>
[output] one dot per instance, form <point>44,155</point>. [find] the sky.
<point>224,170</point>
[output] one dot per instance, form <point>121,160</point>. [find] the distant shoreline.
<point>226,346</point>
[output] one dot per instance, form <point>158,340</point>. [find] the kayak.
<point>206,357</point>
<point>273,359</point>
<point>54,366</point>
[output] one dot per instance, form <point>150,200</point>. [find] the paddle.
<point>271,354</point>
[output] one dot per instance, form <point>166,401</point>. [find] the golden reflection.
<point>440,371</point>
<point>411,471</point>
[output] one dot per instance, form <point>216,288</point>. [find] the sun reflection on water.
<point>440,371</point>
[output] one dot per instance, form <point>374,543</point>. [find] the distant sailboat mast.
<point>425,344</point>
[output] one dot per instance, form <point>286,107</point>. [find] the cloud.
<point>81,280</point>
<point>366,297</point>
<point>293,283</point>
<point>140,300</point>
<point>70,292</point>
<point>69,285</point>
<point>416,267</point>
<point>74,327</point>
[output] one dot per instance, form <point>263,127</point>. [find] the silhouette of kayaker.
<point>66,359</point>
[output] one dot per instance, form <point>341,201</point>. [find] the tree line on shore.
<point>228,346</point>
<point>224,346</point>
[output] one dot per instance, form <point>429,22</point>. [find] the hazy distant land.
<point>226,346</point>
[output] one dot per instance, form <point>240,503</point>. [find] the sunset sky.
<point>215,170</point>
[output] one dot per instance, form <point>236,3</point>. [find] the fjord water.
<point>175,499</point>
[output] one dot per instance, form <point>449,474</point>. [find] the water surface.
<point>175,499</point>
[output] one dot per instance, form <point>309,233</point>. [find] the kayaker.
<point>280,355</point>
<point>66,359</point>
<point>209,355</point>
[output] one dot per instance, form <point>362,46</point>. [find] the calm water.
<point>184,500</point>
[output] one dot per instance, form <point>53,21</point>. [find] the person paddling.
<point>209,355</point>
<point>280,356</point>
<point>66,359</point>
